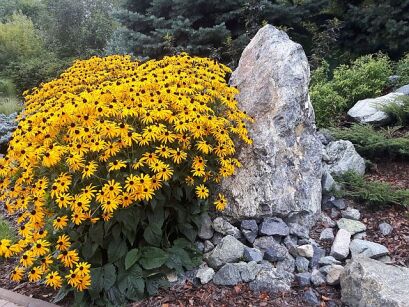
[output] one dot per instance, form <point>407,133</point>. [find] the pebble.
<point>340,247</point>
<point>327,235</point>
<point>305,250</point>
<point>351,226</point>
<point>334,274</point>
<point>317,278</point>
<point>301,263</point>
<point>253,254</point>
<point>249,228</point>
<point>303,279</point>
<point>205,274</point>
<point>351,213</point>
<point>274,226</point>
<point>385,229</point>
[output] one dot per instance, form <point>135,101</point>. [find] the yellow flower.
<point>68,258</point>
<point>60,222</point>
<point>221,202</point>
<point>53,280</point>
<point>63,243</point>
<point>35,274</point>
<point>17,274</point>
<point>116,165</point>
<point>40,248</point>
<point>202,192</point>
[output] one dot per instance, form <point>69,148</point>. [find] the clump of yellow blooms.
<point>107,134</point>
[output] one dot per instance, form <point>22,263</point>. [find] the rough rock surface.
<point>369,283</point>
<point>224,227</point>
<point>8,124</point>
<point>368,111</point>
<point>274,226</point>
<point>228,250</point>
<point>367,249</point>
<point>340,247</point>
<point>271,280</point>
<point>206,231</point>
<point>403,89</point>
<point>342,157</point>
<point>352,226</point>
<point>281,173</point>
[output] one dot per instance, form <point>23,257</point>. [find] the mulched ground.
<point>211,295</point>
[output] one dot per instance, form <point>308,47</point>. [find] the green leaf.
<point>116,250</point>
<point>109,276</point>
<point>97,279</point>
<point>154,283</point>
<point>131,257</point>
<point>188,231</point>
<point>96,233</point>
<point>153,234</point>
<point>152,257</point>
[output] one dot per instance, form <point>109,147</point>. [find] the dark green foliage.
<point>371,192</point>
<point>333,93</point>
<point>375,143</point>
<point>398,111</point>
<point>402,70</point>
<point>132,253</point>
<point>31,72</point>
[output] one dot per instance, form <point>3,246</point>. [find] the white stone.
<point>305,250</point>
<point>340,247</point>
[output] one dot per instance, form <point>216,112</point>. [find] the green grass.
<point>5,230</point>
<point>9,105</point>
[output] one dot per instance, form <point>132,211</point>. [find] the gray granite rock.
<point>288,264</point>
<point>340,246</point>
<point>338,203</point>
<point>208,246</point>
<point>298,230</point>
<point>385,229</point>
<point>274,226</point>
<point>228,275</point>
<point>8,124</point>
<point>290,243</point>
<point>302,263</point>
<point>199,246</point>
<point>334,273</point>
<point>225,228</point>
<point>253,254</point>
<point>317,278</point>
<point>367,249</point>
<point>217,237</point>
<point>319,252</point>
<point>306,250</point>
<point>311,298</point>
<point>206,230</point>
<point>369,111</point>
<point>205,274</point>
<point>351,226</point>
<point>275,253</point>
<point>370,283</point>
<point>324,269</point>
<point>264,243</point>
<point>327,235</point>
<point>303,279</point>
<point>281,173</point>
<point>228,250</point>
<point>344,158</point>
<point>351,213</point>
<point>271,280</point>
<point>327,221</point>
<point>249,228</point>
<point>328,260</point>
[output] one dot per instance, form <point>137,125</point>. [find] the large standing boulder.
<point>370,283</point>
<point>281,173</point>
<point>369,111</point>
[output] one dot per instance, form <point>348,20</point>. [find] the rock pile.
<point>7,125</point>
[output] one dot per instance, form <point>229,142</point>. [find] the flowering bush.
<point>111,168</point>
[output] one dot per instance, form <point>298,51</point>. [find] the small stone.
<point>217,237</point>
<point>205,274</point>
<point>228,250</point>
<point>317,279</point>
<point>298,230</point>
<point>303,279</point>
<point>327,221</point>
<point>305,250</point>
<point>248,271</point>
<point>291,244</point>
<point>318,254</point>
<point>327,235</point>
<point>338,203</point>
<point>172,277</point>
<point>360,235</point>
<point>351,213</point>
<point>205,231</point>
<point>302,263</point>
<point>385,228</point>
<point>275,253</point>
<point>199,246</point>
<point>334,213</point>
<point>328,260</point>
<point>228,275</point>
<point>249,229</point>
<point>340,246</point>
<point>334,274</point>
<point>303,241</point>
<point>351,226</point>
<point>208,246</point>
<point>264,243</point>
<point>324,270</point>
<point>274,227</point>
<point>328,183</point>
<point>253,254</point>
<point>225,228</point>
<point>288,264</point>
<point>367,249</point>
<point>311,298</point>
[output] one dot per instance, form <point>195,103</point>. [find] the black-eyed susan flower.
<point>53,280</point>
<point>202,192</point>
